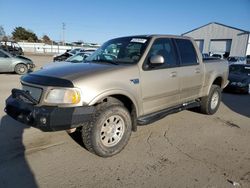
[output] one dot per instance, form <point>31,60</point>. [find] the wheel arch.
<point>14,63</point>
<point>127,99</point>
<point>19,63</point>
<point>218,81</point>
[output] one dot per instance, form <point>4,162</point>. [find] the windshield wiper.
<point>106,61</point>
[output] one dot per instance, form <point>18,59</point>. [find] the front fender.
<point>108,93</point>
<point>14,63</point>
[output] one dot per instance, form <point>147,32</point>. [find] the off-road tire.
<point>206,106</point>
<point>91,131</point>
<point>21,69</point>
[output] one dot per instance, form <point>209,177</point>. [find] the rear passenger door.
<point>160,84</point>
<point>191,71</point>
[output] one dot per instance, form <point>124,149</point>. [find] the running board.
<point>150,118</point>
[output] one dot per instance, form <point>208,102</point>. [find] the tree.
<point>46,39</point>
<point>2,32</point>
<point>21,33</point>
<point>5,39</point>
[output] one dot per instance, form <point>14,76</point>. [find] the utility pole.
<point>63,32</point>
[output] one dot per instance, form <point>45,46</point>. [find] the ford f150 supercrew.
<point>128,81</point>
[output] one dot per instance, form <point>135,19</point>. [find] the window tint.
<point>187,52</point>
<point>165,48</point>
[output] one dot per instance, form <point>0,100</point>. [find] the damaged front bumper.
<point>46,118</point>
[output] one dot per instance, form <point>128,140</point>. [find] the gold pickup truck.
<point>128,81</point>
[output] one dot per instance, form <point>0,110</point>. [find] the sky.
<point>97,21</point>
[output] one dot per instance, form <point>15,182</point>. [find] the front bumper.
<point>47,118</point>
<point>237,89</point>
<point>31,67</point>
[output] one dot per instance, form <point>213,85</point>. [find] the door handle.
<point>173,74</point>
<point>197,70</point>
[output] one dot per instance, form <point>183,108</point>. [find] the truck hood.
<point>54,64</point>
<point>69,72</point>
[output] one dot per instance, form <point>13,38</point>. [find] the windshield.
<point>126,50</point>
<point>232,59</point>
<point>74,51</point>
<point>238,69</point>
<point>79,57</point>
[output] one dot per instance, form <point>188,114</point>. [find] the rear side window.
<point>187,52</point>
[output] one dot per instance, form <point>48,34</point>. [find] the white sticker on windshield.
<point>138,40</point>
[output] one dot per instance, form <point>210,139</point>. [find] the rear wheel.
<point>211,103</point>
<point>109,131</point>
<point>21,69</point>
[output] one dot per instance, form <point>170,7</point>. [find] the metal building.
<point>221,39</point>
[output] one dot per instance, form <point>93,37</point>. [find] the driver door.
<point>5,62</point>
<point>160,84</point>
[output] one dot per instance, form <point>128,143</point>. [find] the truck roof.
<point>157,36</point>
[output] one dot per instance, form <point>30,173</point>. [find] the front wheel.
<point>211,103</point>
<point>21,69</point>
<point>109,131</point>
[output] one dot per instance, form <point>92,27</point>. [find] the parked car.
<point>67,50</point>
<point>236,60</point>
<point>219,56</point>
<point>67,54</point>
<point>128,81</point>
<point>75,51</point>
<point>205,55</point>
<point>18,64</point>
<point>11,47</point>
<point>248,59</point>
<point>63,56</point>
<point>79,57</point>
<point>239,78</point>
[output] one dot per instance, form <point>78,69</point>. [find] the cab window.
<point>165,48</point>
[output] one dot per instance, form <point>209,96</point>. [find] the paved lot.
<point>182,150</point>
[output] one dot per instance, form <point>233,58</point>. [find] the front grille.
<point>34,92</point>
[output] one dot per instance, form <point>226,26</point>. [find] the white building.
<point>219,38</point>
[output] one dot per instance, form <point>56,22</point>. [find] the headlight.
<point>63,96</point>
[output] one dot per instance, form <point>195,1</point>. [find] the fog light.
<point>43,120</point>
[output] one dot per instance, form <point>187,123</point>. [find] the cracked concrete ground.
<point>186,149</point>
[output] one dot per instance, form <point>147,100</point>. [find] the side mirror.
<point>156,60</point>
